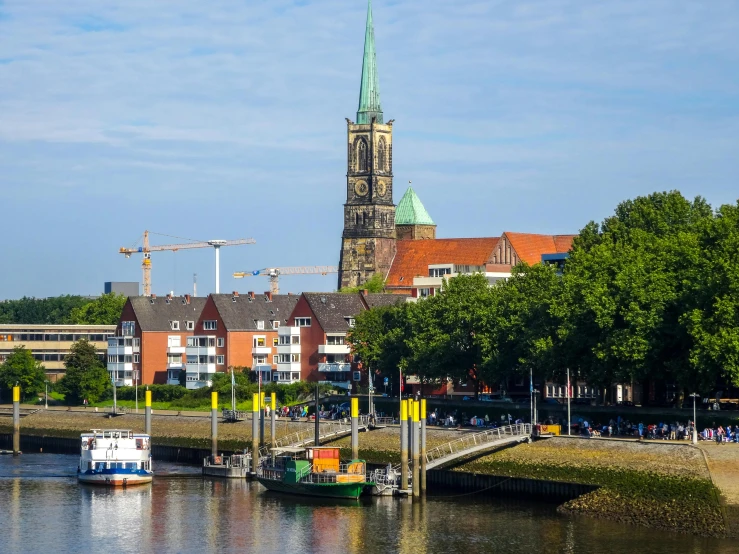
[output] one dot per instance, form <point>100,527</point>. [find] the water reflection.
<point>44,509</point>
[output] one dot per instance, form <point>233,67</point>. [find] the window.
<point>295,339</point>
<point>260,360</point>
<point>284,359</point>
<point>275,324</point>
<point>440,271</point>
<point>190,325</point>
<point>210,325</point>
<point>424,293</point>
<point>220,360</point>
<point>220,342</point>
<point>295,357</point>
<point>128,328</point>
<point>136,358</point>
<point>260,324</point>
<point>362,155</point>
<point>349,321</point>
<point>260,342</point>
<point>334,340</point>
<point>275,341</point>
<point>174,325</point>
<point>302,322</point>
<point>174,341</point>
<point>137,342</point>
<point>192,359</point>
<point>112,359</point>
<point>381,149</point>
<point>128,359</point>
<point>211,341</point>
<point>275,359</point>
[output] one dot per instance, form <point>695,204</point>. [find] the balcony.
<point>288,349</point>
<point>202,369</point>
<point>171,381</point>
<point>175,365</point>
<point>334,367</point>
<point>178,350</point>
<point>333,349</point>
<point>196,384</point>
<point>288,366</point>
<point>261,350</point>
<point>198,351</point>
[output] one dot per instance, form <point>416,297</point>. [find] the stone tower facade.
<point>368,240</point>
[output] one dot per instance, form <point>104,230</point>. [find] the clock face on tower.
<point>381,188</point>
<point>361,188</point>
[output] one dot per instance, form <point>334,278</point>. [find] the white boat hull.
<point>115,480</point>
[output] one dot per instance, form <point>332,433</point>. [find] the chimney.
<point>235,294</point>
<point>251,295</point>
<point>187,299</point>
<point>268,296</point>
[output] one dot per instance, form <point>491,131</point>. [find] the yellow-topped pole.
<point>273,422</point>
<point>355,427</point>
<point>262,407</point>
<point>416,449</point>
<point>147,412</point>
<point>16,420</point>
<point>403,445</point>
<point>214,424</point>
<point>423,446</point>
<point>255,433</point>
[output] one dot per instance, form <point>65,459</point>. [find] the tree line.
<point>651,293</point>
<point>67,309</point>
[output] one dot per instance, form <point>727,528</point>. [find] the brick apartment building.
<point>237,330</point>
<point>313,346</point>
<point>151,337</point>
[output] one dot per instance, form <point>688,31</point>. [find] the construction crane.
<point>146,250</point>
<point>274,273</point>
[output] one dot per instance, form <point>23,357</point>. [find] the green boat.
<point>314,471</point>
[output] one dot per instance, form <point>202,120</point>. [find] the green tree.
<point>22,369</point>
<point>104,310</point>
<point>85,377</point>
<point>52,311</point>
<point>376,283</point>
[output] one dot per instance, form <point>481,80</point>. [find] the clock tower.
<point>368,240</point>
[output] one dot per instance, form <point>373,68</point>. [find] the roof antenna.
<point>194,285</point>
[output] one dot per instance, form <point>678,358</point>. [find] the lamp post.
<point>46,396</point>
<point>695,423</point>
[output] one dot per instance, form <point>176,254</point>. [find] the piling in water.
<point>423,446</point>
<point>273,422</point>
<point>255,433</point>
<point>147,413</point>
<point>213,424</point>
<point>403,444</point>
<point>16,421</point>
<point>317,429</point>
<point>262,405</point>
<point>416,450</point>
<point>355,428</point>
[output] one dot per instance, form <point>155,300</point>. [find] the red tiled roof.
<point>414,256</point>
<point>529,247</point>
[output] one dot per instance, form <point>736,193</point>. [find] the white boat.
<point>115,457</point>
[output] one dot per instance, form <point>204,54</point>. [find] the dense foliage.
<point>650,293</point>
<point>86,377</point>
<point>104,310</point>
<point>22,369</point>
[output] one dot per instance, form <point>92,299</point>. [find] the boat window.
<point>101,466</point>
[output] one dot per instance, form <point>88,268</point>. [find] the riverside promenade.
<point>723,465</point>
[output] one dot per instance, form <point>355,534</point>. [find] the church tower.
<point>368,240</point>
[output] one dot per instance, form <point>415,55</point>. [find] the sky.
<point>225,119</point>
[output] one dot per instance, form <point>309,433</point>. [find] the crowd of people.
<point>654,431</point>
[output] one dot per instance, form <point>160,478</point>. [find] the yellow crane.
<point>146,249</point>
<point>274,273</point>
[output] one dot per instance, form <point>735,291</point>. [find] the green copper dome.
<point>410,210</point>
<point>369,91</point>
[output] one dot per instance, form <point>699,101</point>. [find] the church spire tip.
<point>369,91</point>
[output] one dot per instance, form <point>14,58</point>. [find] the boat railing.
<point>234,460</point>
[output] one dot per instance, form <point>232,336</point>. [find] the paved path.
<point>723,463</point>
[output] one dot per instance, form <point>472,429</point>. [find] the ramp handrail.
<point>468,441</point>
<point>327,429</point>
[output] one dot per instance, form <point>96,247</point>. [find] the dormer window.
<point>174,325</point>
<point>349,321</point>
<point>260,324</point>
<point>190,325</point>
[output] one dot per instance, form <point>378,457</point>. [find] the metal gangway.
<point>328,430</point>
<point>473,443</point>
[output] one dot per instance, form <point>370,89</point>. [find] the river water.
<point>44,509</point>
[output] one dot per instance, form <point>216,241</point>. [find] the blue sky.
<point>225,119</point>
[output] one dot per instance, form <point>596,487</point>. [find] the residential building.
<point>150,340</point>
<point>313,347</point>
<point>50,344</point>
<point>243,330</point>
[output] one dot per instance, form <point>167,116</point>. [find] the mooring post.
<point>355,428</point>
<point>403,444</point>
<point>255,433</point>
<point>214,424</point>
<point>147,413</point>
<point>416,450</point>
<point>423,446</point>
<point>273,421</point>
<point>317,429</point>
<point>16,420</point>
<point>262,406</point>
<point>410,431</point>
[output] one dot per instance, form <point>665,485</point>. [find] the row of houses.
<point>285,338</point>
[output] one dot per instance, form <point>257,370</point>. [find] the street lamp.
<point>695,423</point>
<point>46,396</point>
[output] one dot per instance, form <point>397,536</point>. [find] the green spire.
<point>369,92</point>
<point>410,210</point>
